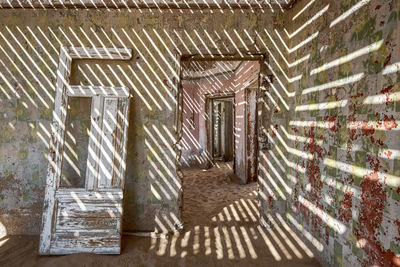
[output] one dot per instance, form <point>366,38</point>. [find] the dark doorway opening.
<point>223,126</point>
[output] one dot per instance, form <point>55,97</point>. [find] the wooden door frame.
<point>246,124</point>
<point>63,90</point>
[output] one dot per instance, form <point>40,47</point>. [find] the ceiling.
<point>165,4</point>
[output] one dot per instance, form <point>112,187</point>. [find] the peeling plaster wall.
<point>191,149</point>
<point>336,153</point>
<point>332,171</point>
<point>30,41</point>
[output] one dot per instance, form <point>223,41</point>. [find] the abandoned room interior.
<point>200,133</point>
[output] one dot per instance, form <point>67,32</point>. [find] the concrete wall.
<point>191,149</point>
<point>333,170</point>
<point>30,41</point>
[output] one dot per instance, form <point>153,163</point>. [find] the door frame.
<point>246,129</point>
<point>210,98</point>
<point>262,58</point>
<point>63,90</point>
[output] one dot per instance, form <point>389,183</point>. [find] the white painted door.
<point>85,215</point>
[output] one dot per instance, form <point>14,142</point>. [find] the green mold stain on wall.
<point>22,154</point>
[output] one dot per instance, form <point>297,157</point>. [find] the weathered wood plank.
<point>99,53</point>
<point>89,210</point>
<point>94,145</point>
<point>66,224</point>
<point>107,194</point>
<point>56,149</point>
<point>89,91</point>
<point>70,243</point>
<point>108,141</point>
<point>121,142</point>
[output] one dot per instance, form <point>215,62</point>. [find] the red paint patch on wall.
<point>305,212</point>
<point>373,201</point>
<point>390,123</point>
<point>312,146</point>
<point>396,261</point>
<point>327,235</point>
<point>270,199</point>
<point>333,126</point>
<point>317,221</point>
<point>387,89</point>
<point>380,142</point>
<point>346,205</point>
<point>397,222</point>
<point>367,129</point>
<point>389,57</point>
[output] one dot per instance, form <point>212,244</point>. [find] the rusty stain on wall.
<point>342,128</point>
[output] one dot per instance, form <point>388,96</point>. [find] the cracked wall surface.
<point>30,41</point>
<point>331,113</point>
<point>342,128</point>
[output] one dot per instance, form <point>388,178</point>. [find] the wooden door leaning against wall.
<point>86,216</point>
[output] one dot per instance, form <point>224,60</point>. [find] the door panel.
<point>86,219</point>
<point>81,212</point>
<point>87,222</point>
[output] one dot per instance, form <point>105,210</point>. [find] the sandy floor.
<point>221,229</point>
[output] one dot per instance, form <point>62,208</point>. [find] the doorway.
<point>219,132</point>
